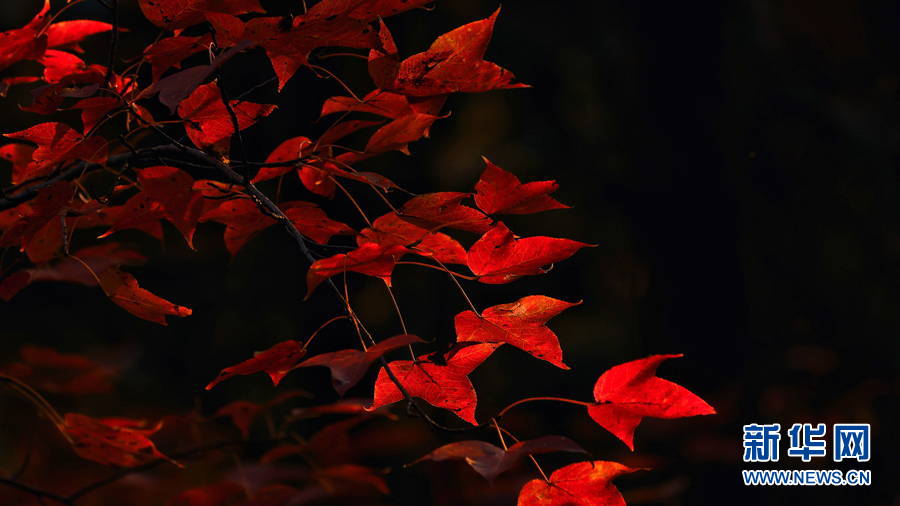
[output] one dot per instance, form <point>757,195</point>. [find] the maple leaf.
<point>392,230</point>
<point>63,373</point>
<point>37,228</point>
<point>384,103</point>
<point>243,220</point>
<point>349,366</point>
<point>291,149</point>
<point>112,441</point>
<point>68,34</point>
<point>244,413</point>
<point>454,63</point>
<point>521,323</point>
<point>166,192</point>
<point>396,135</point>
<point>500,192</point>
<point>59,65</point>
<point>491,461</point>
<point>178,14</point>
<point>578,484</point>
<point>444,209</point>
<point>24,43</point>
<point>369,259</point>
<point>69,270</point>
<point>443,386</point>
<point>58,143</point>
<point>123,290</point>
<point>20,156</point>
<point>499,257</point>
<point>628,392</point>
<point>207,121</point>
<point>277,361</point>
<point>170,51</point>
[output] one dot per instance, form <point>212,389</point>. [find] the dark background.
<point>734,161</point>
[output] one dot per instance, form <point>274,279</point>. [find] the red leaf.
<point>384,103</point>
<point>490,461</point>
<point>442,386</point>
<point>521,324</point>
<point>444,209</point>
<point>343,476</point>
<point>244,413</point>
<point>500,192</point>
<point>291,149</point>
<point>111,442</point>
<point>392,230</point>
<point>38,225</point>
<point>369,259</point>
<point>58,143</point>
<point>60,64</point>
<point>349,366</point>
<point>123,289</point>
<point>579,484</point>
<point>454,63</point>
<point>277,361</point>
<point>384,60</point>
<point>396,135</point>
<point>23,43</point>
<point>68,270</point>
<point>631,391</point>
<point>68,34</point>
<point>498,257</point>
<point>166,192</point>
<point>169,52</point>
<point>207,121</point>
<point>178,14</point>
<point>243,220</point>
<point>217,494</point>
<point>62,373</point>
<point>20,156</point>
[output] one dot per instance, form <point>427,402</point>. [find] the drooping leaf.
<point>444,209</point>
<point>391,230</point>
<point>48,370</point>
<point>499,257</point>
<point>69,270</point>
<point>277,361</point>
<point>491,461</point>
<point>369,259</point>
<point>111,442</point>
<point>396,135</point>
<point>522,323</point>
<point>500,192</point>
<point>37,228</point>
<point>123,290</point>
<point>170,52</point>
<point>291,149</point>
<point>443,386</point>
<point>628,392</point>
<point>207,121</point>
<point>579,484</point>
<point>349,366</point>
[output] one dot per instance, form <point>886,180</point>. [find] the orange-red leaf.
<point>396,135</point>
<point>500,192</point>
<point>579,484</point>
<point>491,461</point>
<point>111,442</point>
<point>521,323</point>
<point>628,392</point>
<point>443,386</point>
<point>349,366</point>
<point>499,257</point>
<point>68,34</point>
<point>277,361</point>
<point>207,121</point>
<point>123,289</point>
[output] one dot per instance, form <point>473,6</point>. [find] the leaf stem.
<point>532,399</point>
